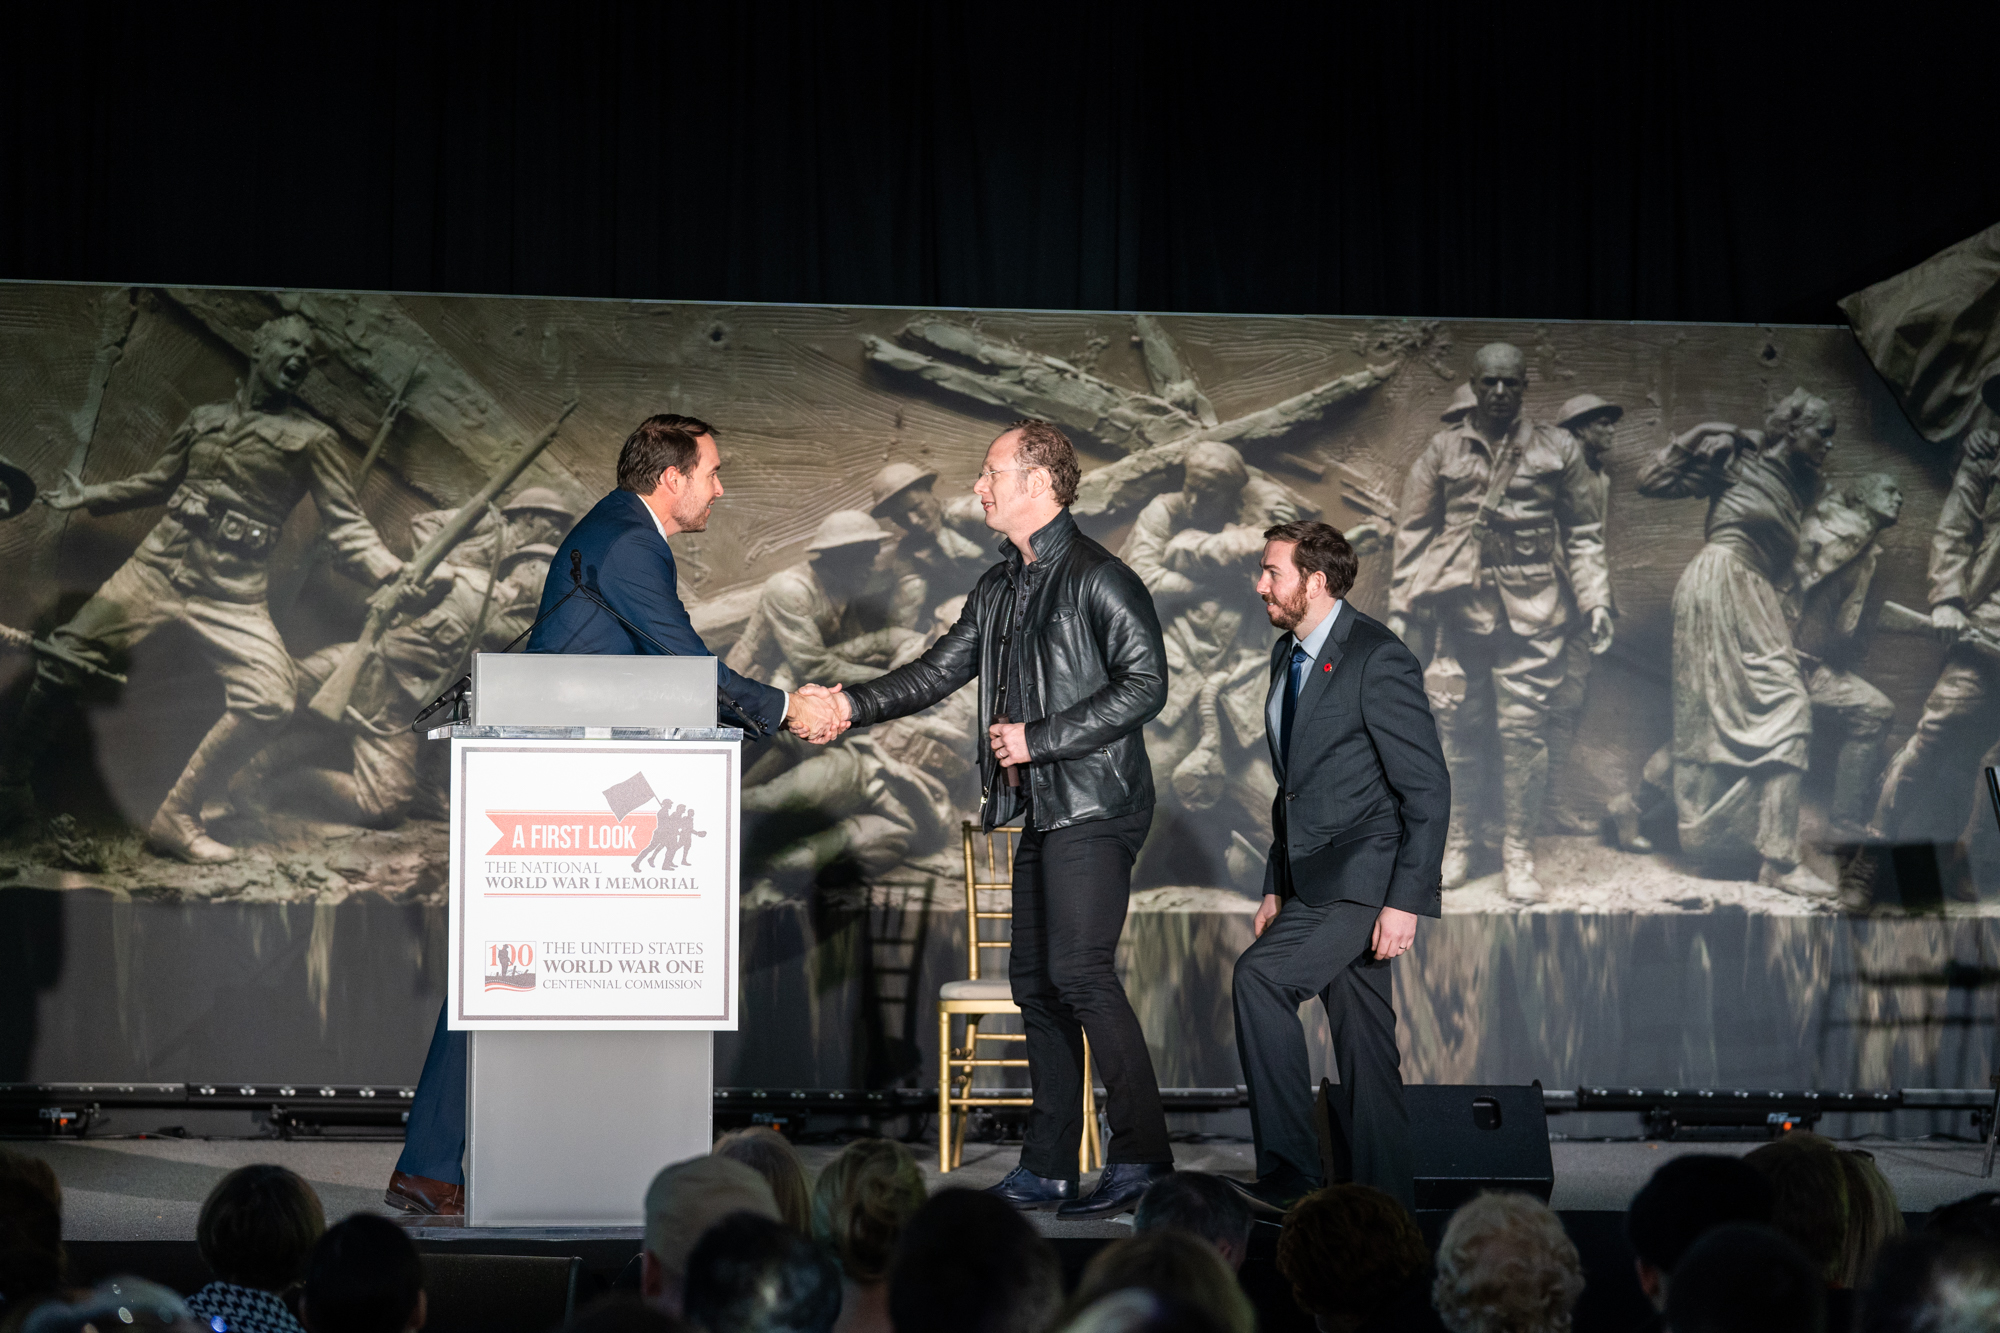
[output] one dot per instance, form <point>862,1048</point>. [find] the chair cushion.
<point>996,989</point>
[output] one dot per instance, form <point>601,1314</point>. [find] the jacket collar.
<point>1049,541</point>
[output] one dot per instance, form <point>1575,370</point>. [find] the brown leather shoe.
<point>421,1194</point>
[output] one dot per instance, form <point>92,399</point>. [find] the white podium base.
<point>565,1129</point>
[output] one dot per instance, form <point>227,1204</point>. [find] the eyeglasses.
<point>998,471</point>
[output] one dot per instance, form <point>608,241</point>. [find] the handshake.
<point>818,714</point>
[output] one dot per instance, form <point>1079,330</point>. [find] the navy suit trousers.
<point>434,1142</point>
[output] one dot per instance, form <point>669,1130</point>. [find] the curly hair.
<point>1346,1249</point>
<point>1505,1265</point>
<point>862,1202</point>
<point>1042,445</point>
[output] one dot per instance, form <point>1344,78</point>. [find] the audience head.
<point>861,1204</point>
<point>1685,1198</point>
<point>1182,1269</point>
<point>1975,1217</point>
<point>128,1304</point>
<point>364,1276</point>
<point>685,1200</point>
<point>1505,1265</point>
<point>1346,1249</point>
<point>1873,1217</point>
<point>1136,1311</point>
<point>622,1312</point>
<point>1201,1204</point>
<point>752,1274</point>
<point>1933,1283</point>
<point>31,1249</point>
<point>257,1226</point>
<point>1742,1278</point>
<point>1809,1196</point>
<point>769,1153</point>
<point>969,1263</point>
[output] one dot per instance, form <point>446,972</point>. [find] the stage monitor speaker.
<point>1464,1138</point>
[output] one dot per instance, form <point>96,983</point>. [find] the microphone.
<point>576,566</point>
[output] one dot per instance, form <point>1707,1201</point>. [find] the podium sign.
<point>593,884</point>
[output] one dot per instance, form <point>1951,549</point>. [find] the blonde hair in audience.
<point>861,1203</point>
<point>768,1153</point>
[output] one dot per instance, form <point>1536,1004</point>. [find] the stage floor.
<point>152,1188</point>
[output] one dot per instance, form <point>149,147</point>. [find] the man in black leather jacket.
<point>1067,648</point>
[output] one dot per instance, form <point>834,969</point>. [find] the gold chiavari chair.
<point>982,995</point>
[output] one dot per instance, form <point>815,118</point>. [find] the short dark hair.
<point>1741,1278</point>
<point>32,1258</point>
<point>751,1274</point>
<point>1042,445</point>
<point>661,442</point>
<point>1347,1248</point>
<point>1321,549</point>
<point>1176,1265</point>
<point>1976,1216</point>
<point>258,1225</point>
<point>1195,1202</point>
<point>364,1276</point>
<point>1686,1197</point>
<point>968,1263</point>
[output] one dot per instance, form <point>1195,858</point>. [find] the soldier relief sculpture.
<point>1703,619</point>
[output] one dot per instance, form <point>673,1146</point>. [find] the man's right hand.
<point>1267,912</point>
<point>1948,622</point>
<point>1982,444</point>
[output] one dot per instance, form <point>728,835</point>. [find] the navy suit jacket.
<point>1361,809</point>
<point>630,565</point>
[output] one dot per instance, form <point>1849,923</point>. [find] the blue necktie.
<point>1291,705</point>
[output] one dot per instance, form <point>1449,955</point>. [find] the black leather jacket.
<point>1091,663</point>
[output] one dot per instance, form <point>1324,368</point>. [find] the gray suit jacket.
<point>1361,811</point>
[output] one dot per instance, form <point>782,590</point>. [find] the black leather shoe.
<point>1024,1189</point>
<point>1119,1189</point>
<point>1274,1195</point>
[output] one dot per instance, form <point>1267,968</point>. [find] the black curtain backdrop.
<point>1638,161</point>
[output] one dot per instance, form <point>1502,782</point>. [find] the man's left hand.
<point>1600,632</point>
<point>1395,932</point>
<point>1010,742</point>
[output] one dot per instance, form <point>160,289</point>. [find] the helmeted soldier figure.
<point>1839,548</point>
<point>1501,547</point>
<point>17,490</point>
<point>1196,550</point>
<point>473,603</point>
<point>943,562</point>
<point>1593,422</point>
<point>823,620</point>
<point>1962,713</point>
<point>229,477</point>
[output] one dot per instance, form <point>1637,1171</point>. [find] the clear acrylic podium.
<point>579,1088</point>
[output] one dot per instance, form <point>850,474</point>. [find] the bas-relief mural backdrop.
<point>1680,652</point>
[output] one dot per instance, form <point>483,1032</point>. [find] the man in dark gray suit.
<point>1359,825</point>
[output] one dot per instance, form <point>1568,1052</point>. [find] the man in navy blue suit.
<point>669,478</point>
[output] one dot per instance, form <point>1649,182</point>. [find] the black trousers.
<point>1071,889</point>
<point>1323,951</point>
